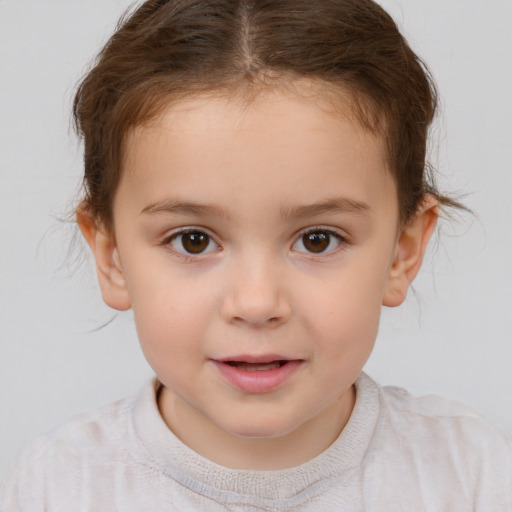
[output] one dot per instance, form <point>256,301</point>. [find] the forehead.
<point>317,97</point>
<point>280,145</point>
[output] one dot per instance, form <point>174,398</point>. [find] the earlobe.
<point>410,249</point>
<point>108,264</point>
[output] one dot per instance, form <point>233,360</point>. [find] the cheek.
<point>344,339</point>
<point>344,312</point>
<point>171,316</point>
<point>349,324</point>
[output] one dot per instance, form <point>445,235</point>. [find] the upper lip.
<point>256,359</point>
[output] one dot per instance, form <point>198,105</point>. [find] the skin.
<point>254,178</point>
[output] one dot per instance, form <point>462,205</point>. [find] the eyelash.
<point>187,256</point>
<point>341,240</point>
<point>190,256</point>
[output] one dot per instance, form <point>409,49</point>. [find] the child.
<point>255,190</point>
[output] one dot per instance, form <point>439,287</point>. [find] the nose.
<point>256,295</point>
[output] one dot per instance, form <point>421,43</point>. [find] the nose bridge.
<point>257,293</point>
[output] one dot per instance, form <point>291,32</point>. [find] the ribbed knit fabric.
<point>397,453</point>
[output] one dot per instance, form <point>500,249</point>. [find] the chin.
<point>259,429</point>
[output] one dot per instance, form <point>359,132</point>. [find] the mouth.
<point>258,374</point>
<point>256,367</point>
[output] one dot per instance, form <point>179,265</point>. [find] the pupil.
<point>195,243</point>
<point>316,242</point>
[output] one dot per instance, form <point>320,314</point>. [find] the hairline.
<point>335,98</point>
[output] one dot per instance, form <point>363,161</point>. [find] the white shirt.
<point>397,453</point>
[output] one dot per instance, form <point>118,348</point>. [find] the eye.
<point>192,242</point>
<point>318,241</point>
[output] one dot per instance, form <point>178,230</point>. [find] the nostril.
<point>262,321</point>
<point>255,302</point>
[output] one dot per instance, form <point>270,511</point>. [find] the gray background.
<point>452,337</point>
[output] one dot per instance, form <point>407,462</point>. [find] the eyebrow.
<point>330,206</point>
<point>184,208</point>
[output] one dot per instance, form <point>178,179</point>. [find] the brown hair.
<point>167,49</point>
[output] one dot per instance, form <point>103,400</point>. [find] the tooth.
<point>253,367</point>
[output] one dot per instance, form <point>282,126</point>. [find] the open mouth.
<point>257,374</point>
<point>256,367</point>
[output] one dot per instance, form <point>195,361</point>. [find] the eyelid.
<point>173,233</point>
<point>334,232</point>
<point>338,233</point>
<point>170,237</point>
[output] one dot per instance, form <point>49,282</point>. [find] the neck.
<point>253,453</point>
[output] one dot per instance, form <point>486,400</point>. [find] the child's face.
<point>256,245</point>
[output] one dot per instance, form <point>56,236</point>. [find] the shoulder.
<point>442,449</point>
<point>64,456</point>
<point>432,417</point>
<point>84,434</point>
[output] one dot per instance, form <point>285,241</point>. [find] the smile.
<point>256,374</point>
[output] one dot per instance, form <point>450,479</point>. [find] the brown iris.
<point>316,242</point>
<point>195,242</point>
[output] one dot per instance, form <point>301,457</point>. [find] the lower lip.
<point>258,381</point>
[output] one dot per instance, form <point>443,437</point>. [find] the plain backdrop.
<point>451,337</point>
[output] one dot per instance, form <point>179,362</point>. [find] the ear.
<point>410,249</point>
<point>108,265</point>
